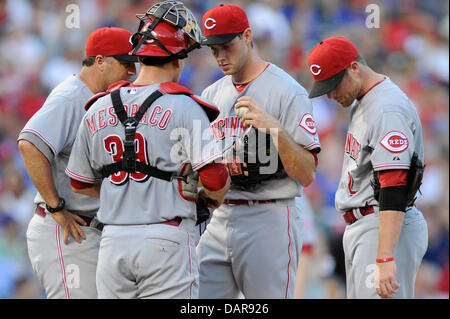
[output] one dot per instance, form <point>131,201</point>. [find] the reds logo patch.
<point>234,166</point>
<point>308,123</point>
<point>395,142</point>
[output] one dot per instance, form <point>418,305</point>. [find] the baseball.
<point>241,111</point>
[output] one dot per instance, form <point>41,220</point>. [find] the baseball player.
<point>45,143</point>
<point>386,235</point>
<point>309,235</point>
<point>253,241</point>
<point>141,147</point>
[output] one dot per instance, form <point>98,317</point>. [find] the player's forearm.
<point>297,161</point>
<point>391,223</point>
<point>39,170</point>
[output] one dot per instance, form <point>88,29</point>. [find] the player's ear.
<point>100,61</point>
<point>180,63</point>
<point>355,67</point>
<point>248,35</point>
<point>177,63</point>
<point>178,66</point>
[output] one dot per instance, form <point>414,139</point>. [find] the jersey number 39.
<point>114,146</point>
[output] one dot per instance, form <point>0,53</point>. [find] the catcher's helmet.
<point>167,29</point>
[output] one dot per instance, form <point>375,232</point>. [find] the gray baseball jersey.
<point>65,271</point>
<point>283,98</point>
<point>173,132</point>
<point>52,130</point>
<point>241,238</point>
<point>383,133</point>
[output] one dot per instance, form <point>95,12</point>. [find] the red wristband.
<point>384,260</point>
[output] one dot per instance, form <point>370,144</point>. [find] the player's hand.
<point>70,223</point>
<point>257,116</point>
<point>215,198</point>
<point>385,281</point>
<point>210,202</point>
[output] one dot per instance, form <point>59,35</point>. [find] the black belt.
<point>248,202</point>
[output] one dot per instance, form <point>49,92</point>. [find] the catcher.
<point>252,244</point>
<point>132,152</point>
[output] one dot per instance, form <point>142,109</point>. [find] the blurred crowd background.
<point>41,44</point>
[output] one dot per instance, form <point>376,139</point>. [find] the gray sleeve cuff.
<point>39,143</point>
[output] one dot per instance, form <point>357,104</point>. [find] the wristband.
<point>384,260</point>
<point>60,207</point>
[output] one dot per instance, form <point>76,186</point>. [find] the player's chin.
<point>227,69</point>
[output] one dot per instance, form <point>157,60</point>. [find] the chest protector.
<point>129,163</point>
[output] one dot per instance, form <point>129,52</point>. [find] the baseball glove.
<point>188,184</point>
<point>252,160</point>
<point>414,180</point>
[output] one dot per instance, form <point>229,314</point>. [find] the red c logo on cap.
<point>319,69</point>
<point>211,26</point>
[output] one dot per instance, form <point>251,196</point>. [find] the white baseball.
<point>241,111</point>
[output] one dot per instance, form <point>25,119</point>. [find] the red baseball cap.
<point>328,61</point>
<point>223,23</point>
<point>110,41</point>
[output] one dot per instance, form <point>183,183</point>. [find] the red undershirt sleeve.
<point>79,185</point>
<point>394,177</point>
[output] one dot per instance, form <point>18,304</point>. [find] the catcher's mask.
<point>167,29</point>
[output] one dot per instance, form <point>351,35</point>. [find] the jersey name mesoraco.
<point>172,132</point>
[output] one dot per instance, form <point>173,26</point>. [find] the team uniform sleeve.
<point>392,141</point>
<point>298,119</point>
<point>38,143</point>
<point>79,167</point>
<point>206,93</point>
<point>55,124</point>
<point>200,144</point>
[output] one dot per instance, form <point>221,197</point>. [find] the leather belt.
<point>350,217</point>
<point>41,212</point>
<point>248,202</point>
